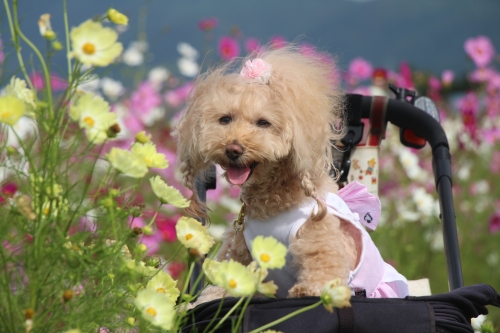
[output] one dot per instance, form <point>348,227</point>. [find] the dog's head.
<point>250,122</point>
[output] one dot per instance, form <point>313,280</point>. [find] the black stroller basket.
<point>448,312</point>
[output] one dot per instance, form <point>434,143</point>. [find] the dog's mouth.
<point>238,175</point>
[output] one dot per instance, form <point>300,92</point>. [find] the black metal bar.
<point>408,116</point>
<point>202,185</point>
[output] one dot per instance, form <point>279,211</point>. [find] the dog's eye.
<point>225,120</point>
<point>263,123</point>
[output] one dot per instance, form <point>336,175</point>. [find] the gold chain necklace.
<point>239,226</point>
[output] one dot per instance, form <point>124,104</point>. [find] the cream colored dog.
<point>270,124</point>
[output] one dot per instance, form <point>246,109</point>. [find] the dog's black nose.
<point>233,151</point>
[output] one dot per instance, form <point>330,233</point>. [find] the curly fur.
<point>303,103</point>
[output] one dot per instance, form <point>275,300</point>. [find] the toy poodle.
<point>271,122</point>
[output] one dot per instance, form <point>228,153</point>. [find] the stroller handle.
<point>407,116</point>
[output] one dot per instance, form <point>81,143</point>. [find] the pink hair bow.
<point>256,70</point>
<point>360,201</point>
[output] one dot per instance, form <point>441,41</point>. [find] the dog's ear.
<point>192,164</point>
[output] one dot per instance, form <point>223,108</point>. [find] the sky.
<point>428,34</point>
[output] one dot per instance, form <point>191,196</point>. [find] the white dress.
<point>372,275</point>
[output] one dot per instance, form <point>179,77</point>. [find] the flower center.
<point>161,290</point>
<point>88,48</point>
<point>265,257</point>
<point>232,284</point>
<point>89,121</point>
<point>151,311</point>
<point>5,114</point>
<point>189,236</point>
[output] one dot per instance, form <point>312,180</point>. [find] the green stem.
<point>228,314</point>
<point>66,31</point>
<point>288,316</point>
<point>156,214</point>
<point>242,313</point>
<point>215,315</point>
<point>16,45</point>
<point>40,57</point>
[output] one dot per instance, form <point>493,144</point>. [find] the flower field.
<point>92,222</point>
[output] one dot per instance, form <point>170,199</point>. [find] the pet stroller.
<point>418,120</point>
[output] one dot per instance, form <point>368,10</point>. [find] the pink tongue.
<point>238,175</point>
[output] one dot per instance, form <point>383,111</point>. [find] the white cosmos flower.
<point>112,89</point>
<point>188,67</point>
<point>187,51</point>
<point>133,56</point>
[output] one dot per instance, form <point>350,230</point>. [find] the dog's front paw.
<point>304,290</point>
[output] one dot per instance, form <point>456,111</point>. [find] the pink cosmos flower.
<point>495,162</point>
<point>2,57</point>
<point>493,106</point>
<point>228,48</point>
<point>252,45</point>
<point>493,84</point>
<point>434,83</point>
<point>406,73</point>
<point>360,69</point>
<point>166,227</point>
<point>495,222</point>
<point>7,191</point>
<point>175,269</point>
<point>256,70</point>
<point>469,107</point>
<point>177,97</point>
<point>447,77</point>
<point>208,24</point>
<point>277,42</point>
<point>482,74</point>
<point>480,49</point>
<point>57,83</point>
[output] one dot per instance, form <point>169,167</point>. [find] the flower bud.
<point>113,131</point>
<point>67,295</point>
<point>29,313</point>
<point>131,321</point>
<point>137,231</point>
<point>57,45</point>
<point>142,248</point>
<point>153,261</point>
<point>117,17</point>
<point>147,230</point>
<point>49,35</point>
<point>114,192</point>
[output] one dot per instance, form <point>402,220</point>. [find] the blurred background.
<point>447,50</point>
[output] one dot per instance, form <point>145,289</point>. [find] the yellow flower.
<point>168,194</point>
<point>260,273</point>
<point>117,17</point>
<point>210,268</point>
<point>127,163</point>
<point>17,88</point>
<point>236,279</point>
<point>94,45</point>
<point>193,235</point>
<point>45,27</point>
<point>11,109</point>
<point>156,308</point>
<point>335,294</point>
<point>268,252</point>
<point>163,283</point>
<point>148,152</point>
<point>142,137</point>
<point>93,115</point>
